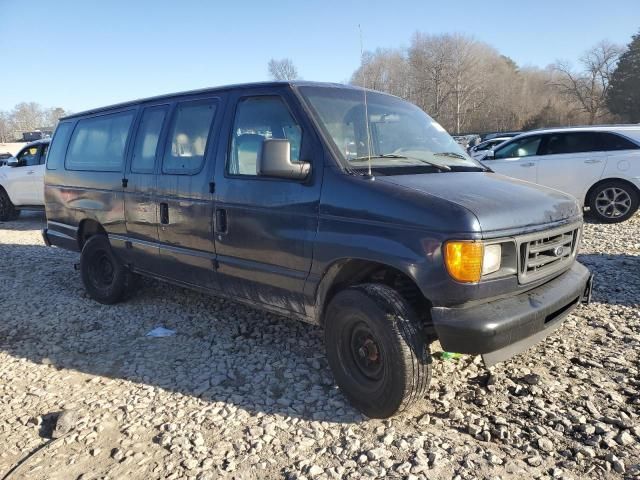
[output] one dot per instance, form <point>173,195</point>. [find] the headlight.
<point>467,261</point>
<point>491,259</point>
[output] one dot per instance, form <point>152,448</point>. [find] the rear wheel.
<point>377,353</point>
<point>613,202</point>
<point>105,278</point>
<point>7,209</point>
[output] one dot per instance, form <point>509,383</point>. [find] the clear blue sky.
<point>85,53</point>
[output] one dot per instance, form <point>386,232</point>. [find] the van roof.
<point>298,83</point>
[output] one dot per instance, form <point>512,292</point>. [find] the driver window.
<point>257,119</point>
<point>28,157</point>
<point>524,147</point>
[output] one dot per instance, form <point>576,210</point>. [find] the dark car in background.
<point>301,199</point>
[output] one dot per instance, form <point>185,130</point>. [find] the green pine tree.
<point>624,91</point>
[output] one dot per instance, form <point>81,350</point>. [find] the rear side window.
<point>611,141</point>
<point>146,145</point>
<point>188,136</point>
<point>59,145</point>
<point>577,142</point>
<point>98,143</point>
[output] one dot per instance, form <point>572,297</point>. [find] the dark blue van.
<point>341,207</point>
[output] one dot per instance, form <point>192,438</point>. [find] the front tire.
<point>613,202</point>
<point>7,209</point>
<point>378,355</point>
<point>105,278</point>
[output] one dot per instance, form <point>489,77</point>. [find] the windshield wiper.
<point>442,168</point>
<point>383,155</point>
<point>450,154</point>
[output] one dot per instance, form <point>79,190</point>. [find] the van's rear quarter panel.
<point>74,196</point>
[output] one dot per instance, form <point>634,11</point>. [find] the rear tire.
<point>7,209</point>
<point>106,279</point>
<point>613,202</point>
<point>378,355</point>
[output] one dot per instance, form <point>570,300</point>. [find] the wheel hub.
<point>613,202</point>
<point>102,271</point>
<point>366,352</point>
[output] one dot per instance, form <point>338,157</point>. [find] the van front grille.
<point>546,253</point>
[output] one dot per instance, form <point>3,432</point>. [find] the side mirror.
<point>13,162</point>
<point>274,160</point>
<point>490,155</point>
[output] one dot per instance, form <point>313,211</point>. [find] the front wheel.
<point>378,355</point>
<point>105,278</point>
<point>7,209</point>
<point>613,202</point>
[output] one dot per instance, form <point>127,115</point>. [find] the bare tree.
<point>282,69</point>
<point>53,115</point>
<point>5,128</point>
<point>589,87</point>
<point>429,63</point>
<point>467,86</point>
<point>384,70</point>
<point>27,116</point>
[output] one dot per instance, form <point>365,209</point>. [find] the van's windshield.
<point>401,134</point>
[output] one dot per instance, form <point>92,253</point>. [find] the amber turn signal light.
<point>464,260</point>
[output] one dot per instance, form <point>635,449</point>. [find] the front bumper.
<point>502,328</point>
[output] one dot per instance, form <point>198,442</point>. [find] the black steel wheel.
<point>378,355</point>
<point>105,278</point>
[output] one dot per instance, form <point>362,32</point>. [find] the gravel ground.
<point>238,393</point>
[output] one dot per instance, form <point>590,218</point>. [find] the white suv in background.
<point>600,166</point>
<point>22,180</point>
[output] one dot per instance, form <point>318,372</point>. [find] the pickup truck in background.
<point>22,180</point>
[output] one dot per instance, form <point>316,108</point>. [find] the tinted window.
<point>523,147</point>
<point>146,145</point>
<point>258,118</point>
<point>59,145</point>
<point>611,141</point>
<point>43,154</point>
<point>28,157</point>
<point>576,142</point>
<point>98,143</point>
<point>188,136</point>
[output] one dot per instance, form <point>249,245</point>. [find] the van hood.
<point>500,203</point>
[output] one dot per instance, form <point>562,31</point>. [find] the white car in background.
<point>22,180</point>
<point>600,166</point>
<point>479,151</point>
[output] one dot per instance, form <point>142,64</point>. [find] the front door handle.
<point>593,160</point>
<point>221,220</point>
<point>164,214</point>
<point>30,172</point>
<point>529,164</point>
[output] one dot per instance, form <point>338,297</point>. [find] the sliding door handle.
<point>164,214</point>
<point>221,220</point>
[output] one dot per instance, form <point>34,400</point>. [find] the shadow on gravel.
<point>617,278</point>
<point>222,352</point>
<point>28,220</point>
